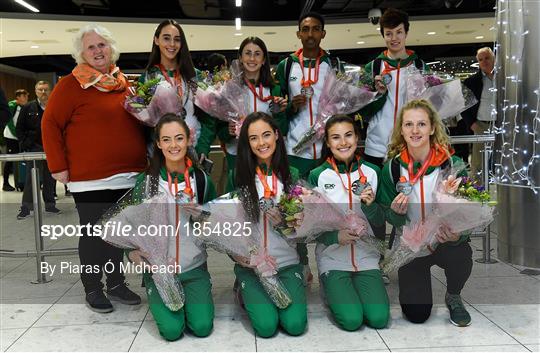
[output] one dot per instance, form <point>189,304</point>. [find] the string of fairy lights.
<point>516,130</point>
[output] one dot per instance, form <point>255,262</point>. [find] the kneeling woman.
<point>177,174</point>
<point>263,171</point>
<point>418,151</point>
<point>349,272</point>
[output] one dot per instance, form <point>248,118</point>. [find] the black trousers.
<point>47,181</point>
<point>12,148</point>
<point>93,250</point>
<point>414,278</point>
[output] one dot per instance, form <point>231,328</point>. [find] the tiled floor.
<point>504,305</point>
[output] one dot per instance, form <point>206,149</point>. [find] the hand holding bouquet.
<point>341,94</point>
<point>228,210</point>
<point>227,100</point>
<point>460,205</point>
<point>149,101</point>
<point>447,94</point>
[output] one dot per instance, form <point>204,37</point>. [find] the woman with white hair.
<point>97,148</point>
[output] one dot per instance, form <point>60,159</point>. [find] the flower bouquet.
<point>141,206</point>
<point>308,213</point>
<point>228,210</point>
<point>447,94</point>
<point>343,94</point>
<point>214,79</point>
<point>225,100</point>
<point>149,101</point>
<point>459,203</point>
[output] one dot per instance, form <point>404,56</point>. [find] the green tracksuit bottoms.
<point>356,297</point>
<point>265,317</point>
<point>198,310</point>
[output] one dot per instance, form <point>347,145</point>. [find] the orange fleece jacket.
<point>90,134</point>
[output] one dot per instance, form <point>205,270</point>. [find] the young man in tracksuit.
<point>390,70</point>
<point>301,76</point>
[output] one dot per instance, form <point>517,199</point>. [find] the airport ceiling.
<point>469,24</point>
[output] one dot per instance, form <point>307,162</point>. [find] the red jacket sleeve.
<point>55,119</point>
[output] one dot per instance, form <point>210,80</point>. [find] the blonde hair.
<point>102,32</point>
<point>439,137</point>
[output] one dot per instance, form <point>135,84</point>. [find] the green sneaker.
<point>458,314</point>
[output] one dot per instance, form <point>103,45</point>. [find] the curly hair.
<point>440,136</point>
<point>102,32</point>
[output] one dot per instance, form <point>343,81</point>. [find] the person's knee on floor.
<point>171,332</point>
<point>416,313</point>
<point>294,326</point>
<point>351,321</point>
<point>266,327</point>
<point>377,318</point>
<point>201,328</point>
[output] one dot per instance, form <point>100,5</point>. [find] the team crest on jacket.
<point>329,186</point>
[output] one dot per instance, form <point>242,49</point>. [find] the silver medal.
<point>182,113</point>
<point>274,107</point>
<point>182,198</point>
<point>307,91</point>
<point>357,187</point>
<point>404,187</point>
<point>266,204</point>
<point>386,79</point>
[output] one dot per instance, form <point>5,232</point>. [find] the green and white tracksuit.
<point>300,122</point>
<point>383,112</point>
<point>263,314</point>
<point>350,274</point>
<point>198,311</point>
<point>9,130</point>
<point>421,197</point>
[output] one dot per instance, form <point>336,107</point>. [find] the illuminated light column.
<point>515,164</point>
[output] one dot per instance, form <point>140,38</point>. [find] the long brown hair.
<point>440,137</point>
<point>183,58</point>
<point>157,160</point>
<point>246,164</point>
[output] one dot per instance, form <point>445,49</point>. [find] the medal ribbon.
<point>260,94</point>
<point>387,69</point>
<point>414,178</point>
<point>268,193</point>
<point>188,190</point>
<point>177,80</point>
<point>309,82</point>
<point>361,177</point>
